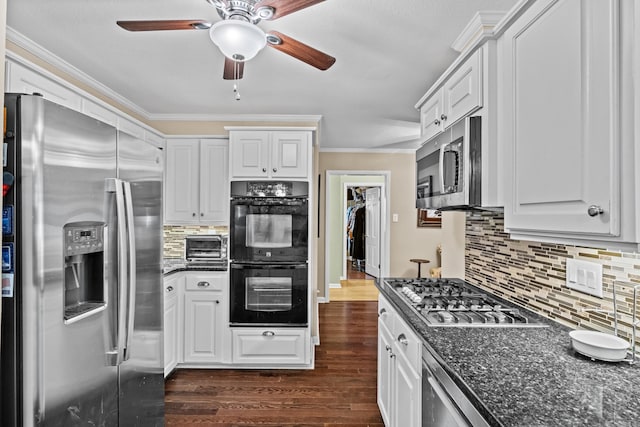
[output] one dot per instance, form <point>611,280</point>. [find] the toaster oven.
<point>206,249</point>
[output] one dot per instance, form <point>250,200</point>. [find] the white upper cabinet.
<point>270,154</point>
<point>561,122</point>
<point>196,182</point>
<point>20,79</point>
<point>460,95</point>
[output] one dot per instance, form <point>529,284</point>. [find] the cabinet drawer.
<point>386,313</point>
<point>207,282</point>
<point>407,343</point>
<point>270,346</point>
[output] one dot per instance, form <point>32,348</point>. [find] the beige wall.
<point>406,239</point>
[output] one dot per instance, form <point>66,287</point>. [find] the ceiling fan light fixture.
<point>238,40</point>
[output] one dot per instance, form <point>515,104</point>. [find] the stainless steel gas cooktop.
<point>454,302</point>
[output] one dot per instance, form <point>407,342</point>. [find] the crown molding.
<point>296,118</point>
<point>35,49</point>
<point>480,27</point>
<point>367,150</point>
<point>65,67</point>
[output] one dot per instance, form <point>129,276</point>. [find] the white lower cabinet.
<point>205,320</point>
<point>172,321</point>
<point>385,372</point>
<point>197,332</point>
<point>270,346</point>
<point>399,370</point>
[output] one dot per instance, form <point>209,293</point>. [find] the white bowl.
<point>599,345</point>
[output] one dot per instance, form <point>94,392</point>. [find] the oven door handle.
<point>270,202</point>
<point>244,266</point>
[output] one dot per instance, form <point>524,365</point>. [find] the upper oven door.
<point>269,229</point>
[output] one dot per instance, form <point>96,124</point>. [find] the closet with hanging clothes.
<point>356,222</point>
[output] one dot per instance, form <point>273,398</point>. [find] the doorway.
<point>339,268</point>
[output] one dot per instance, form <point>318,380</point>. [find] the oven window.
<point>268,294</point>
<point>269,231</point>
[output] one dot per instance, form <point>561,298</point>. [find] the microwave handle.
<point>441,169</point>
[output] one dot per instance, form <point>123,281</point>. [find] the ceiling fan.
<point>238,36</point>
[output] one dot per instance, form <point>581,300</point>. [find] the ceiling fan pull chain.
<point>236,83</point>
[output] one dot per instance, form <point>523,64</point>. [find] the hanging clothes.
<point>358,233</point>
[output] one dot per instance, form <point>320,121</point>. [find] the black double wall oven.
<point>269,253</point>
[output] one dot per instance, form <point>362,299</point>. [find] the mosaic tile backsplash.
<point>174,237</point>
<point>532,274</point>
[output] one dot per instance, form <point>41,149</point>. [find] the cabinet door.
<point>560,119</point>
<point>23,80</point>
<point>385,372</point>
<point>99,112</point>
<point>290,154</point>
<point>462,92</point>
<point>407,394</point>
<point>249,154</point>
<point>273,346</point>
<point>170,328</point>
<point>182,182</point>
<point>214,182</point>
<point>430,114</point>
<point>203,315</point>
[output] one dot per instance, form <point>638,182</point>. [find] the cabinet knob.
<point>169,288</point>
<point>402,339</point>
<point>443,117</point>
<point>268,333</point>
<point>382,311</point>
<point>201,214</point>
<point>203,284</point>
<point>217,301</point>
<point>264,170</point>
<point>193,214</point>
<point>436,122</point>
<point>387,347</point>
<point>275,170</point>
<point>595,210</point>
<point>392,355</point>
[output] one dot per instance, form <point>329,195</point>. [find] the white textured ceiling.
<point>388,53</point>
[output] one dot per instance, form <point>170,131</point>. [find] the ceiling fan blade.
<point>301,51</point>
<point>230,70</point>
<point>178,24</point>
<point>285,7</point>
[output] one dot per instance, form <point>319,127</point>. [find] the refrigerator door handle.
<point>131,266</point>
<point>115,185</point>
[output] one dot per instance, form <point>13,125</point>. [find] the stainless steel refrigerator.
<point>82,308</point>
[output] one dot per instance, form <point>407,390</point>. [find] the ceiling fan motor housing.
<point>243,10</point>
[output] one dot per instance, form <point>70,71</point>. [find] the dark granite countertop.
<point>174,265</point>
<point>530,377</point>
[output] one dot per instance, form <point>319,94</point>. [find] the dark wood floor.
<point>339,392</point>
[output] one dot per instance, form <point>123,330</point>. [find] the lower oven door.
<point>268,294</point>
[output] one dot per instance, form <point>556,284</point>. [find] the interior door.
<point>372,232</point>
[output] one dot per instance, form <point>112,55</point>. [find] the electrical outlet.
<point>584,276</point>
<point>394,217</point>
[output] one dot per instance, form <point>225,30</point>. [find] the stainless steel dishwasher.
<point>443,403</point>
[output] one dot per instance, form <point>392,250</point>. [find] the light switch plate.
<point>584,276</point>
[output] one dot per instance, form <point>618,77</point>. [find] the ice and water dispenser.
<point>84,269</point>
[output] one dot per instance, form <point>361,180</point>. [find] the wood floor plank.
<point>339,392</point>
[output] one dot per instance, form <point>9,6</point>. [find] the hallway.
<point>340,391</point>
<point>359,286</point>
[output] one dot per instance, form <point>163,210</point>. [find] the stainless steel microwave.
<point>448,168</point>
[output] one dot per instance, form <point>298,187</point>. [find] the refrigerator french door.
<point>82,329</point>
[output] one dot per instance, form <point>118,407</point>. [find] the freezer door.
<point>67,158</point>
<point>142,372</point>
